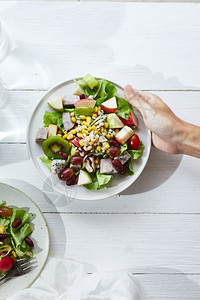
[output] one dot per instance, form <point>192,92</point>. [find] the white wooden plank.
<point>164,287</point>
<point>138,243</point>
<point>169,184</point>
<point>20,105</point>
<point>125,42</point>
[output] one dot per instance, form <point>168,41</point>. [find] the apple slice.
<point>131,121</point>
<point>114,121</point>
<point>84,178</point>
<point>124,134</point>
<point>85,103</point>
<point>76,141</point>
<point>56,104</point>
<point>109,106</point>
<point>78,91</point>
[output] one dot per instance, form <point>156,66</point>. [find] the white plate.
<point>40,236</point>
<point>119,182</point>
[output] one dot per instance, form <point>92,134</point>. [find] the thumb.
<point>138,99</point>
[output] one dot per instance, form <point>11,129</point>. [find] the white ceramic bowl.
<point>119,182</point>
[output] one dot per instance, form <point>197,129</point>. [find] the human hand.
<point>167,129</point>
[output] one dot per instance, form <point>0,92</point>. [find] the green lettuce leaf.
<point>123,108</point>
<point>130,170</point>
<point>18,234</point>
<point>69,110</point>
<point>90,81</point>
<point>107,90</point>
<point>135,154</point>
<point>123,148</point>
<point>53,118</point>
<point>1,203</point>
<point>94,184</point>
<point>46,161</point>
<point>83,111</point>
<point>103,179</point>
<point>99,181</point>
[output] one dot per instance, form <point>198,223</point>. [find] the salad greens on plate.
<point>14,241</point>
<point>90,135</point>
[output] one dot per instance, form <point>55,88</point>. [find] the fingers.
<point>138,99</point>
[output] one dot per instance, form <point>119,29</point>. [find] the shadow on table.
<point>158,163</point>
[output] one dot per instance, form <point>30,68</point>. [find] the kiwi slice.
<point>53,145</point>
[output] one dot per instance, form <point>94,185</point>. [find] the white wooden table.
<point>153,228</point>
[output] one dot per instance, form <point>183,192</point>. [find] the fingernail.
<point>128,89</point>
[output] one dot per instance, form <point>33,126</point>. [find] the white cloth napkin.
<point>64,279</point>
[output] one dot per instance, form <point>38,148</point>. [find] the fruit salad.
<point>90,136</point>
<point>14,240</point>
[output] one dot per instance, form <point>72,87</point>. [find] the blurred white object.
<point>4,43</point>
<point>66,279</point>
<point>3,93</point>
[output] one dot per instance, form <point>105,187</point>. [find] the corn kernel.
<point>96,161</point>
<point>89,148</point>
<point>82,117</point>
<point>72,114</point>
<point>14,254</point>
<point>70,136</point>
<point>70,144</point>
<point>84,123</point>
<point>65,136</point>
<point>106,145</point>
<point>117,130</point>
<point>81,142</point>
<point>106,125</point>
<point>99,108</point>
<point>88,120</point>
<point>79,135</point>
<point>89,128</point>
<point>91,143</point>
<point>94,127</point>
<point>94,115</point>
<point>2,229</point>
<point>85,131</point>
<point>98,148</point>
<point>102,129</point>
<point>73,119</point>
<point>108,136</point>
<point>73,131</point>
<point>96,109</point>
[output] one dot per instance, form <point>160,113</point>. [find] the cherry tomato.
<point>134,142</point>
<point>6,263</point>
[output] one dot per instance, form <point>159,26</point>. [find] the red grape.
<point>114,152</point>
<point>117,164</point>
<point>114,143</point>
<point>71,181</point>
<point>76,160</point>
<point>5,211</point>
<point>134,142</point>
<point>66,174</point>
<point>125,168</point>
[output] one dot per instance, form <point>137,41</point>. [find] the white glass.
<point>3,93</point>
<point>4,43</point>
